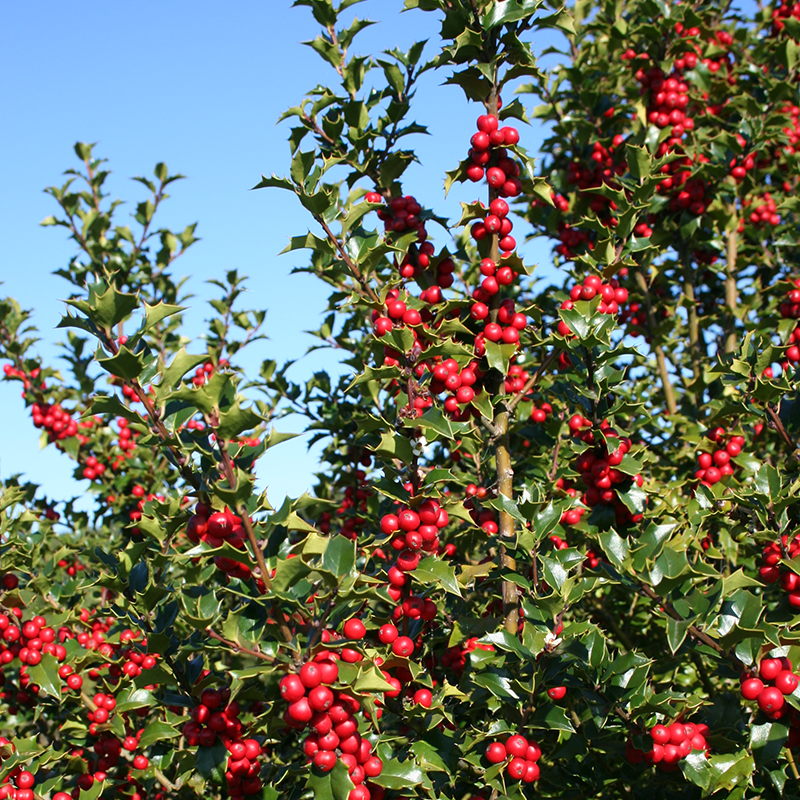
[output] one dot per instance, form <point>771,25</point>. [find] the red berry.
<point>423,697</point>
<point>517,745</point>
<point>403,646</point>
<point>354,628</point>
<point>786,681</point>
<point>751,688</point>
<point>769,668</point>
<point>496,752</point>
<point>770,699</point>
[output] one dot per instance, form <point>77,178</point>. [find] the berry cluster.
<point>771,572</point>
<point>713,467</point>
<point>331,715</point>
<point>216,527</point>
<point>520,755</point>
<point>783,12</point>
<point>514,321</point>
<point>763,211</point>
<point>458,383</point>
<point>218,716</point>
<point>488,146</point>
<point>412,532</point>
<point>776,680</point>
<point>58,423</point>
<point>612,297</point>
<point>400,214</point>
<point>671,743</point>
<point>19,782</point>
<point>598,468</point>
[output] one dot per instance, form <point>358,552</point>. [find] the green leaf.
<point>509,11</point>
<point>211,762</point>
<point>155,314</point>
<point>433,570</point>
<point>638,161</point>
<point>107,309</point>
<point>124,364</point>
<point>181,363</point>
<point>157,731</point>
<point>45,674</point>
<point>400,775</point>
<point>237,420</point>
<point>339,557</point>
<point>676,632</point>
<point>499,355</point>
<point>501,686</point>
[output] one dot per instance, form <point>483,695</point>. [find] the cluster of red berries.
<point>742,165</point>
<point>783,12</point>
<point>776,680</point>
<point>540,413</point>
<point>27,641</point>
<point>93,468</point>
<point>71,569</point>
<point>19,783</point>
<point>671,743</point>
<point>58,423</point>
<point>488,146</point>
<point>510,323</point>
<point>612,297</point>
<point>126,440</point>
<point>521,755</point>
<point>204,372</point>
<point>714,467</point>
<point>497,222</point>
<point>792,133</point>
<point>331,715</point>
<point>217,716</point>
<point>669,98</point>
<point>764,211</point>
<point>770,570</point>
<point>10,371</point>
<point>458,384</point>
<point>456,657</point>
<point>400,214</point>
<point>214,528</point>
<point>397,313</point>
<point>598,468</point>
<point>412,532</point>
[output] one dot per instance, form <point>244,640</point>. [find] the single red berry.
<point>496,752</point>
<point>770,699</point>
<point>752,688</point>
<point>354,629</point>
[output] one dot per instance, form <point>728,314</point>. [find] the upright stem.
<point>731,293</point>
<point>694,329</point>
<point>502,453</point>
<point>661,361</point>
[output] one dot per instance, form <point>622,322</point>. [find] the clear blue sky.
<point>200,86</point>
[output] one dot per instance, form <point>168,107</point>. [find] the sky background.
<point>199,86</point>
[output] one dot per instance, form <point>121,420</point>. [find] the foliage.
<point>563,511</point>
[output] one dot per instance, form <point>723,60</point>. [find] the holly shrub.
<point>551,548</point>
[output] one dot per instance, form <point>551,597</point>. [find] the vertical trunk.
<point>505,472</point>
<point>731,294</point>
<point>661,361</point>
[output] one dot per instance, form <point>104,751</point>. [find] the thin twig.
<point>238,648</point>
